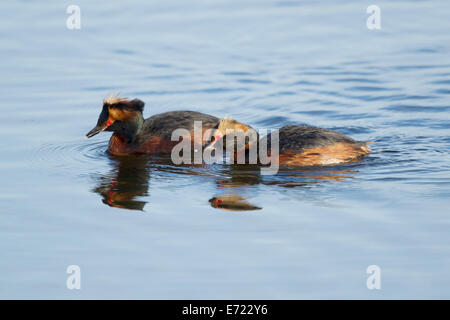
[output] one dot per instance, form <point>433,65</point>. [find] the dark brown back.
<point>296,139</point>
<point>163,124</point>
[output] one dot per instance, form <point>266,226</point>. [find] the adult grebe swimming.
<point>134,135</point>
<point>300,145</point>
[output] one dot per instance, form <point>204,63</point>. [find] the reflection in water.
<point>126,185</point>
<point>237,176</point>
<point>128,180</point>
<point>232,203</point>
<point>308,176</point>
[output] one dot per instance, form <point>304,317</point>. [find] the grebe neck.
<point>131,128</point>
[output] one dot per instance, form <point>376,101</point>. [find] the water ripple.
<point>70,155</point>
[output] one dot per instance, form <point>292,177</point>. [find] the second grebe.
<point>301,145</point>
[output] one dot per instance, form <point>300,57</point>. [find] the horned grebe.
<point>134,135</point>
<point>301,145</point>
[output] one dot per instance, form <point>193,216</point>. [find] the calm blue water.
<point>266,63</point>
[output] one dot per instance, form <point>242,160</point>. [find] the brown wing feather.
<point>163,124</point>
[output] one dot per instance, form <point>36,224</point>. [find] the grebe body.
<point>298,145</point>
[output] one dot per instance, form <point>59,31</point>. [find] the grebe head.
<point>119,115</point>
<point>230,127</point>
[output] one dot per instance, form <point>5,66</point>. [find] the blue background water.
<point>266,63</point>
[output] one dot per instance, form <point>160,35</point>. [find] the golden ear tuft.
<point>114,99</point>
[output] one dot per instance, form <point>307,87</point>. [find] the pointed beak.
<point>96,130</point>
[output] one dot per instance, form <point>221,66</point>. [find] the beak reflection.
<point>232,203</point>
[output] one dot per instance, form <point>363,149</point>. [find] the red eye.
<point>109,122</point>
